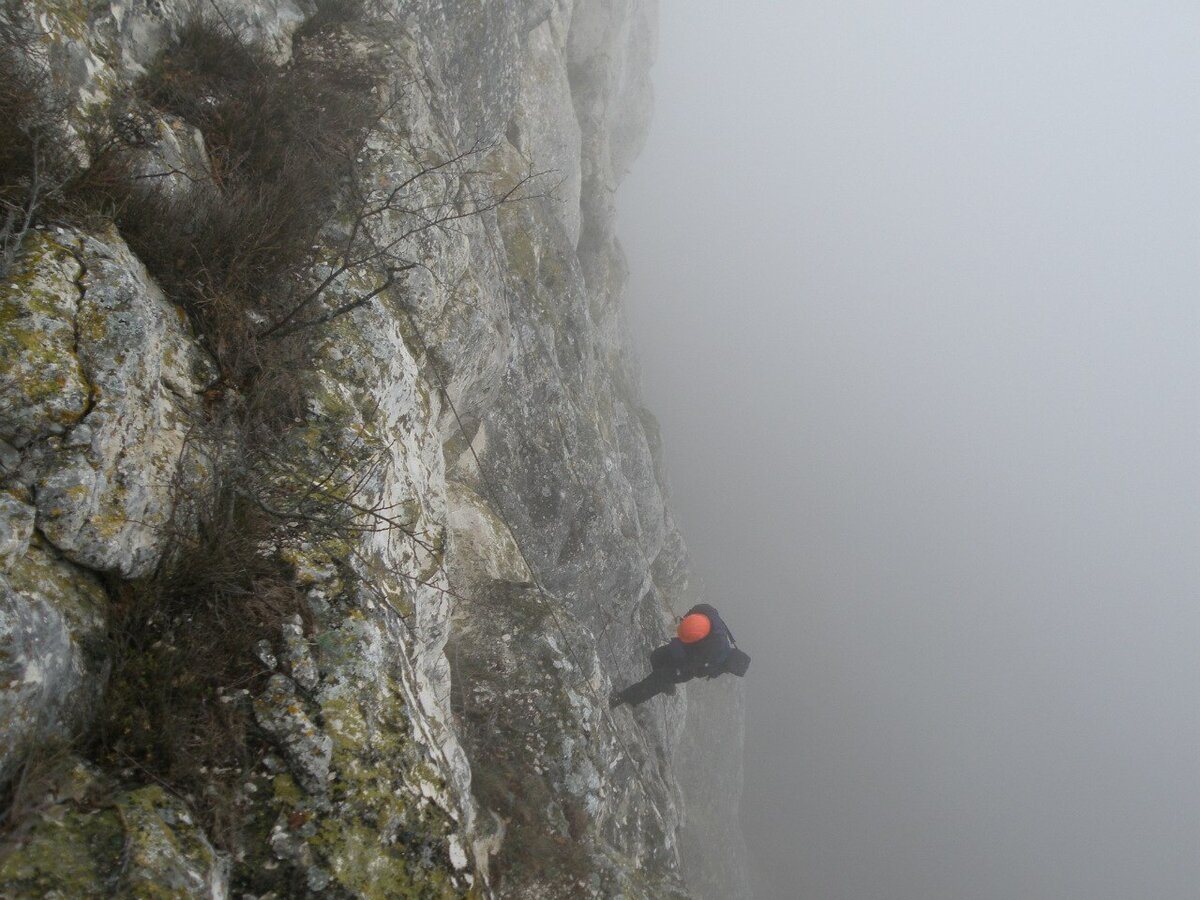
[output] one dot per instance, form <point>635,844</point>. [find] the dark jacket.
<point>705,658</point>
<point>676,662</point>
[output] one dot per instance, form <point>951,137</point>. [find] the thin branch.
<point>279,331</point>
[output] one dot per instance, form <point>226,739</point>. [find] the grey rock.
<point>172,157</point>
<point>299,659</point>
<point>16,528</point>
<point>105,496</point>
<point>52,665</point>
<point>477,47</point>
<point>10,458</point>
<point>544,121</point>
<point>280,712</point>
<point>441,710</point>
<point>265,655</point>
<point>43,388</point>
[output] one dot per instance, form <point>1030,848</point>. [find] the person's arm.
<point>670,657</point>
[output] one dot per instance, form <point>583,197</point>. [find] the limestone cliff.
<point>483,544</point>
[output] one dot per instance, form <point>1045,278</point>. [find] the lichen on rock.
<point>43,389</point>
<point>467,538</point>
<point>105,492</point>
<point>52,656</point>
<point>93,840</point>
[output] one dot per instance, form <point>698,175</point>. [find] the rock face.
<point>435,723</point>
<point>138,843</point>
<point>103,449</point>
<point>98,376</point>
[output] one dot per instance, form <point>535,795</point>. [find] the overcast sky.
<point>915,286</point>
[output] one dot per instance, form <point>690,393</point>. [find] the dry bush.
<point>50,171</point>
<point>36,786</point>
<point>281,142</point>
<point>183,649</point>
<point>34,160</point>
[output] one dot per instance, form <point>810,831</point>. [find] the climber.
<point>703,646</point>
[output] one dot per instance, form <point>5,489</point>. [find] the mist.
<point>914,287</point>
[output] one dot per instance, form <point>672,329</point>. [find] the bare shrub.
<point>34,161</point>
<point>283,145</point>
<point>183,648</point>
<point>280,143</point>
<point>38,784</point>
<point>237,251</point>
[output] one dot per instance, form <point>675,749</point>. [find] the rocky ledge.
<point>454,539</point>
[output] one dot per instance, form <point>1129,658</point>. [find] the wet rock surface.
<point>435,724</point>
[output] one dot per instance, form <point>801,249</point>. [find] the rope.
<point>547,597</point>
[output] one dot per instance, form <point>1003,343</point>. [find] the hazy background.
<point>916,288</point>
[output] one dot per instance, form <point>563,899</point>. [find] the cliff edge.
<point>330,513</point>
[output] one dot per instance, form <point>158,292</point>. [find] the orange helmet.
<point>694,627</point>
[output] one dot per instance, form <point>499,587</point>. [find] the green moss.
<point>141,845</point>
<point>75,593</point>
<point>434,557</point>
<point>361,865</point>
<point>426,399</point>
<point>75,857</point>
<point>332,403</point>
<point>376,842</point>
<point>311,565</point>
<point>39,371</point>
<point>286,790</point>
<point>70,17</point>
<point>162,846</point>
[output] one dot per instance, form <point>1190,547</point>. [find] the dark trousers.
<point>662,679</point>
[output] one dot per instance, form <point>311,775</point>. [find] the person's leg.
<point>657,682</point>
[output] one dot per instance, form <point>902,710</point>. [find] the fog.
<point>915,290</point>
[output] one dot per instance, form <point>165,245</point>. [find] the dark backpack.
<point>737,663</point>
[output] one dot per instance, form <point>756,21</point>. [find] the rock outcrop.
<point>433,721</point>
